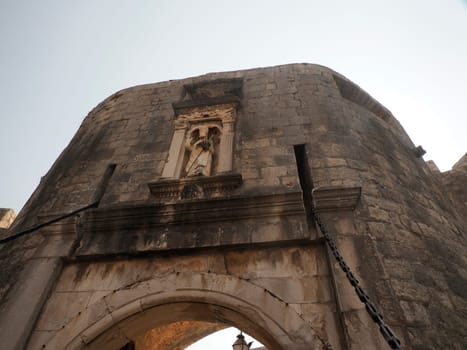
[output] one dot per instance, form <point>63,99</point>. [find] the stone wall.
<point>403,235</point>
<point>455,179</point>
<point>292,282</point>
<point>413,271</point>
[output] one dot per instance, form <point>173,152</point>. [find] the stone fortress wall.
<point>245,254</point>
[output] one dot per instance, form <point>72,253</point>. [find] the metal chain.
<point>388,335</point>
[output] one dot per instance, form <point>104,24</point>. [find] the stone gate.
<point>184,207</point>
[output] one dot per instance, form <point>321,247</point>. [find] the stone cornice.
<point>336,198</point>
<point>194,224</point>
<point>192,212</point>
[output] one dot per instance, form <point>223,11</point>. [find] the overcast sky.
<point>61,58</point>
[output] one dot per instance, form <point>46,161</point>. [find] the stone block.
<point>39,339</point>
<point>250,173</point>
<point>7,216</point>
<point>273,172</point>
<point>288,263</point>
<point>324,319</point>
<point>290,181</point>
<point>415,313</point>
<point>362,331</point>
<point>55,316</point>
<point>55,246</point>
<point>410,291</point>
<point>298,291</point>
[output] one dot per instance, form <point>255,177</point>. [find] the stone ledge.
<point>194,187</point>
<point>128,217</point>
<point>335,198</point>
<point>194,224</point>
<point>64,226</point>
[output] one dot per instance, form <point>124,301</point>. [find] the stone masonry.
<point>164,251</point>
<point>7,216</point>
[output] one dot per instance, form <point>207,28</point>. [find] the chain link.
<point>388,335</point>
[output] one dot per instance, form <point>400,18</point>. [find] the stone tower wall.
<point>405,238</point>
<point>455,179</point>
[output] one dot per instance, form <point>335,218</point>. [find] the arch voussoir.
<point>127,312</point>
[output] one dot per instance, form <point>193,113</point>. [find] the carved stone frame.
<point>223,114</point>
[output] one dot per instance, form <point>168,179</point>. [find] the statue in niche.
<point>201,147</point>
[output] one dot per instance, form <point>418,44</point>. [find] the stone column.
<point>226,148</point>
<point>173,166</point>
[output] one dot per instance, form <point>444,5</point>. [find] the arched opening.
<point>227,339</point>
<point>176,326</point>
<point>177,336</point>
<point>186,300</point>
<point>198,321</point>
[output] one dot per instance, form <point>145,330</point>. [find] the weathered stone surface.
<point>18,316</point>
<point>245,256</point>
<point>135,287</point>
<point>7,216</point>
<point>456,179</point>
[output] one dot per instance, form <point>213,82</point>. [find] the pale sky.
<point>222,340</point>
<point>61,58</point>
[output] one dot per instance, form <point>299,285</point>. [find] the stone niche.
<point>200,160</point>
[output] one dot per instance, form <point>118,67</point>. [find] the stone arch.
<point>131,310</point>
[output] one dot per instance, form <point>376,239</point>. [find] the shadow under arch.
<point>124,314</point>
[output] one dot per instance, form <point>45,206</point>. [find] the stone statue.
<point>201,145</point>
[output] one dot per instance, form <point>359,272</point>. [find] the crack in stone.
<point>325,343</point>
